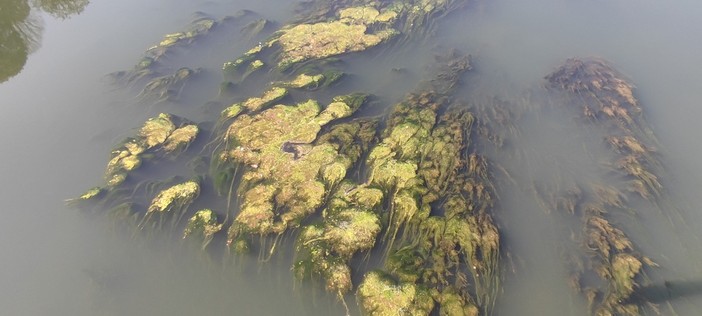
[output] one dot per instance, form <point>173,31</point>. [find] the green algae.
<point>348,28</point>
<point>146,67</point>
<point>604,95</point>
<point>329,39</point>
<point>156,130</point>
<point>380,295</point>
<point>606,100</point>
<point>295,161</point>
<point>277,146</point>
<point>202,225</point>
<point>175,197</point>
<point>351,224</point>
<point>255,28</point>
<point>254,104</point>
<point>180,139</point>
<point>196,29</point>
<point>158,134</point>
<point>417,149</point>
<point>168,87</point>
<point>312,81</point>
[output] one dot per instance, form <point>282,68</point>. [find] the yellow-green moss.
<point>269,97</point>
<point>156,130</point>
<point>379,295</point>
<point>181,138</point>
<point>176,196</point>
<point>320,40</point>
<point>203,224</point>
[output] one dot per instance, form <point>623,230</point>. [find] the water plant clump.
<point>270,97</point>
<point>168,87</point>
<point>173,202</point>
<point>284,164</point>
<point>147,67</point>
<point>310,81</point>
<point>202,225</point>
<point>607,100</point>
<point>605,96</point>
<point>415,190</point>
<point>350,224</point>
<point>380,295</point>
<point>159,135</point>
<point>335,30</point>
<point>416,163</point>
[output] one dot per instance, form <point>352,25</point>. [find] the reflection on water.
<point>21,28</point>
<point>75,267</point>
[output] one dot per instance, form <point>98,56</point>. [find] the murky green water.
<point>62,115</point>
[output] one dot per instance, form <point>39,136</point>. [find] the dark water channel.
<point>62,115</point>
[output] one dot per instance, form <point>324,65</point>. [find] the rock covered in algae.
<point>175,197</point>
<point>293,163</point>
<point>317,260</point>
<point>380,295</point>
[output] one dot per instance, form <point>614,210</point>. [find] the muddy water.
<point>61,116</point>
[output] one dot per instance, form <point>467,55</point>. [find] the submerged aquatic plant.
<point>159,134</point>
<point>607,101</point>
<point>286,167</point>
<point>203,225</point>
<point>168,87</point>
<point>344,28</point>
<point>415,189</point>
<point>605,96</point>
<point>173,202</point>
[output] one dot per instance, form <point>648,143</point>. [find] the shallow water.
<point>61,116</point>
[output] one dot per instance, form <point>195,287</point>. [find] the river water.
<point>62,115</point>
